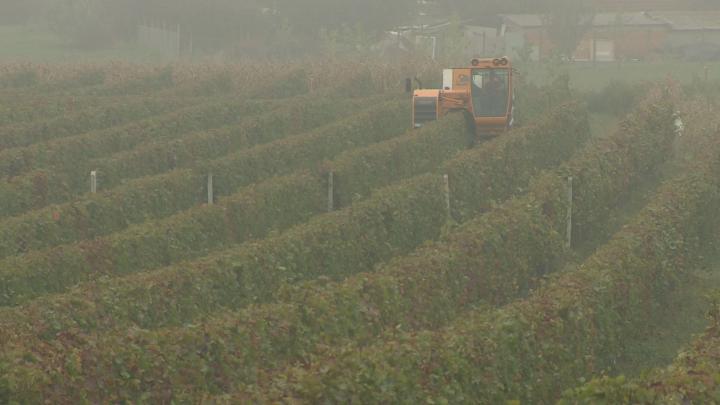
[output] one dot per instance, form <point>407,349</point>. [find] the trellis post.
<point>331,191</point>
<point>568,232</point>
<point>446,187</point>
<point>93,181</point>
<point>210,197</point>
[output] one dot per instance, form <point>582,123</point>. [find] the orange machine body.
<point>484,90</point>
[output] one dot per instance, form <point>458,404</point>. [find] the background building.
<point>609,36</point>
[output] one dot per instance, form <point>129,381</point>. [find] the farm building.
<point>624,36</point>
<point>611,36</point>
<point>692,35</point>
<point>645,5</point>
<point>439,37</point>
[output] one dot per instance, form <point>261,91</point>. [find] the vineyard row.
<point>387,224</point>
<point>193,232</point>
<point>691,378</point>
<point>489,260</point>
<point>531,350</point>
<point>154,197</point>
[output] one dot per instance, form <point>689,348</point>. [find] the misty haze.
<point>359,201</point>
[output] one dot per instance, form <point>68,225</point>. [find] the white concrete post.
<point>211,197</point>
<point>331,191</point>
<point>446,183</point>
<point>93,181</point>
<point>568,242</point>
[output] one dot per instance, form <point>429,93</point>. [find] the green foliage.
<point>32,108</point>
<point>156,196</point>
<point>383,225</point>
<point>478,175</point>
<point>295,83</point>
<point>19,78</point>
<point>433,134</point>
<point>109,115</point>
<point>424,289</point>
<point>333,246</point>
<point>616,98</point>
<point>490,260</point>
<point>69,82</point>
<point>566,22</point>
<point>67,162</point>
<point>67,154</point>
<point>694,377</point>
<point>359,129</point>
<point>539,346</point>
<point>454,44</point>
<point>63,165</point>
<point>648,143</point>
<point>312,294</point>
<point>159,78</point>
<point>532,349</point>
<point>608,391</point>
<point>358,172</point>
<point>147,246</point>
<point>276,121</point>
<point>532,102</point>
<point>250,213</point>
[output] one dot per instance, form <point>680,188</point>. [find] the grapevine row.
<point>492,259</point>
<point>38,188</point>
<point>92,119</point>
<point>154,244</point>
<point>532,349</point>
<point>157,196</point>
<point>691,378</point>
<point>377,222</point>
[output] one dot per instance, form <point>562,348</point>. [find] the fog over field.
<point>283,28</point>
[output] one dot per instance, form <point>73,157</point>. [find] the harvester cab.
<point>484,91</point>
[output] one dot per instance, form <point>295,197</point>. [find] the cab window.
<point>490,92</point>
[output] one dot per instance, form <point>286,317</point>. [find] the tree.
<point>566,23</point>
<point>454,44</point>
<point>83,22</point>
<point>310,16</point>
<point>223,23</point>
<point>17,11</point>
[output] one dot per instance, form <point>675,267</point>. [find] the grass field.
<point>587,77</point>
